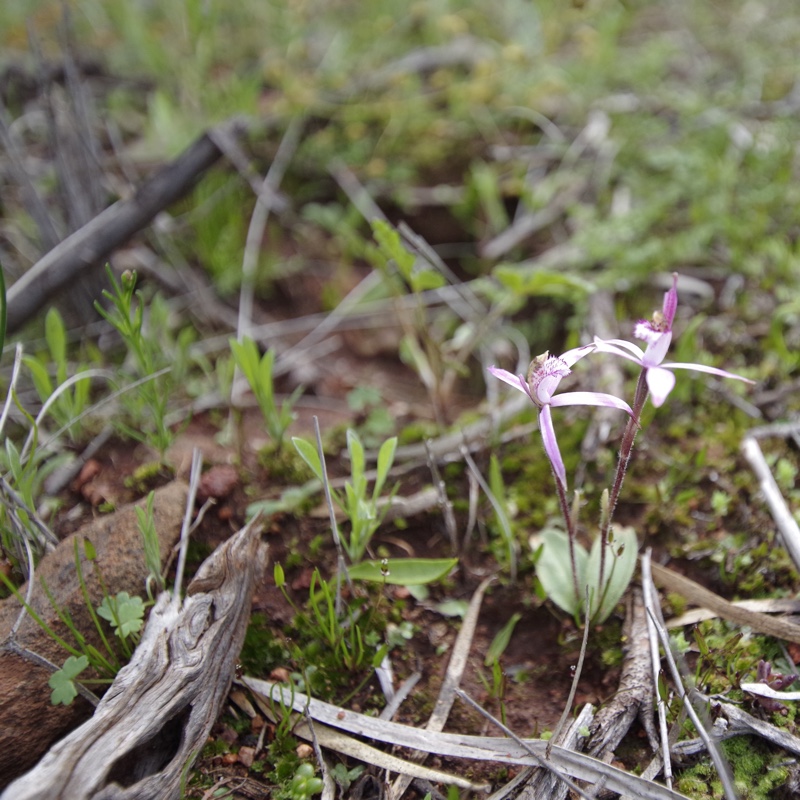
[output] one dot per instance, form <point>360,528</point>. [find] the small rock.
<point>304,750</point>
<point>91,469</point>
<point>217,482</point>
<point>247,755</point>
<point>228,734</point>
<point>280,675</point>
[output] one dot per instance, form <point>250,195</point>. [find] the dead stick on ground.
<point>699,595</point>
<point>111,228</point>
<point>452,680</point>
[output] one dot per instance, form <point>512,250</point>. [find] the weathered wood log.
<point>29,723</point>
<point>636,693</point>
<point>156,716</point>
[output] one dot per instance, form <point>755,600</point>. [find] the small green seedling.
<point>304,784</point>
<point>360,505</point>
<point>497,687</point>
<point>62,682</point>
<point>124,613</point>
<point>69,398</point>
<point>152,364</point>
<point>258,372</point>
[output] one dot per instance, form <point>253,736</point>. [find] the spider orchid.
<point>657,333</point>
<point>544,375</point>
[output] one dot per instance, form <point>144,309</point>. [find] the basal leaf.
<point>620,563</point>
<point>501,640</point>
<point>554,570</point>
<point>385,461</point>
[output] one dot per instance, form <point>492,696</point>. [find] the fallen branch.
<point>94,242</point>
<point>699,595</point>
<point>636,693</point>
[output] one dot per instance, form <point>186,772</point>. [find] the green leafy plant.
<point>72,398</point>
<point>419,348</point>
<point>258,372</point>
<point>151,362</point>
<point>145,520</point>
<point>349,636</point>
<point>361,506</point>
<point>26,470</point>
<point>344,777</point>
<point>123,612</point>
<point>304,783</point>
<point>495,687</point>
<point>62,682</point>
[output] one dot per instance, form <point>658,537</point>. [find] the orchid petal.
<point>577,353</point>
<point>657,350</point>
<point>551,446</point>
<point>710,370</point>
<point>517,381</point>
<point>545,388</point>
<point>590,399</point>
<point>645,331</point>
<point>671,303</point>
<point>660,382</point>
<point>618,347</point>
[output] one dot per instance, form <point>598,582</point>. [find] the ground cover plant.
<point>320,244</point>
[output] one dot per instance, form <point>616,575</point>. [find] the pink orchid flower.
<point>657,333</point>
<point>544,375</point>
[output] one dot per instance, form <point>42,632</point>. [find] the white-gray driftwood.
<point>156,716</point>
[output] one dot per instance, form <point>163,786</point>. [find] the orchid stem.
<point>625,450</point>
<point>571,534</point>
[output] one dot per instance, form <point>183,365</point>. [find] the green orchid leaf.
<point>555,572</point>
<point>621,555</point>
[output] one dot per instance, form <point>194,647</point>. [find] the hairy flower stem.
<point>569,521</point>
<point>625,450</point>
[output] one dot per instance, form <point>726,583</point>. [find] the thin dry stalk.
<point>653,610</point>
<point>337,541</point>
<point>502,514</point>
<point>452,679</point>
<point>544,763</point>
<point>787,525</point>
<point>575,679</point>
<point>722,767</point>
<point>194,481</point>
<point>445,505</point>
<point>258,222</point>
